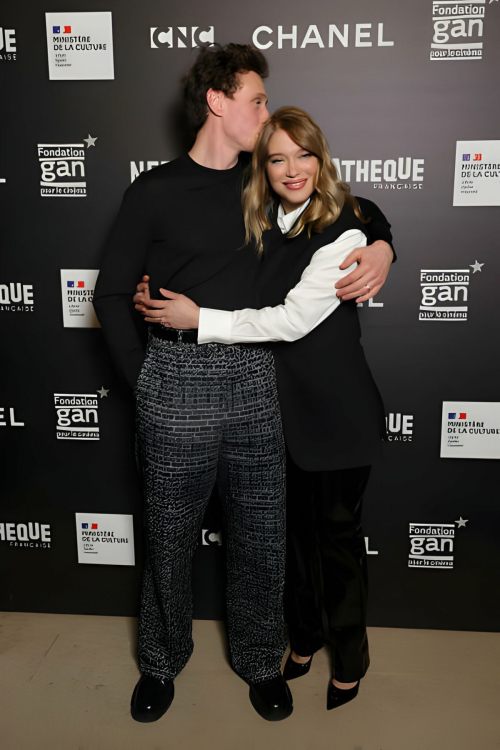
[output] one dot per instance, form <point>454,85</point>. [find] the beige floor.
<point>65,684</point>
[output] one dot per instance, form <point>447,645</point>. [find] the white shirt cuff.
<point>215,326</point>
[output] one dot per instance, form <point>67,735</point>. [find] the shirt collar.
<point>286,221</point>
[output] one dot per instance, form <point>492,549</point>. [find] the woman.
<point>304,222</point>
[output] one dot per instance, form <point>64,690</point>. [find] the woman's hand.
<point>177,311</point>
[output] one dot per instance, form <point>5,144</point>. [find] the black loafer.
<point>337,697</point>
<point>293,669</point>
<point>151,698</point>
<point>272,699</point>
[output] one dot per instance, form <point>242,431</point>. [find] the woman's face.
<point>291,170</point>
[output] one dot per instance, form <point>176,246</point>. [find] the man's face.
<point>246,113</point>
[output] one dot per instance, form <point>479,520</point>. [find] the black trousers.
<point>326,576</point>
<point>204,415</point>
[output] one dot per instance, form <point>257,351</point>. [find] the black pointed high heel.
<point>337,697</point>
<point>293,669</point>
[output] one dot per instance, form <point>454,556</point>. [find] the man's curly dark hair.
<point>216,68</point>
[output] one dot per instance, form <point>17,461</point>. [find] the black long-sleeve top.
<point>182,224</point>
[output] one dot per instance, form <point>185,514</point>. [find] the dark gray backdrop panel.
<point>373,103</point>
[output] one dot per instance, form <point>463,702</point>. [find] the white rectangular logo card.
<point>77,290</point>
<point>470,429</point>
<point>477,173</point>
<point>105,538</point>
<point>80,46</point>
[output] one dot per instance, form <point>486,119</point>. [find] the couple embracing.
<point>254,380</point>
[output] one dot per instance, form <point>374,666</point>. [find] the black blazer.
<point>333,415</point>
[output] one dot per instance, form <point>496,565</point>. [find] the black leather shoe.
<point>293,669</point>
<point>272,699</point>
<point>151,698</point>
<point>337,697</point>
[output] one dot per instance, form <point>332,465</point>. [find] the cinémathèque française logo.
<point>31,534</point>
<point>16,297</point>
<point>400,173</point>
<point>8,46</point>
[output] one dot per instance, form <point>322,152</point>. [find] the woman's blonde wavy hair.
<point>329,196</point>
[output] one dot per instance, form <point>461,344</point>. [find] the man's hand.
<point>369,276</point>
<point>141,297</point>
<point>176,311</point>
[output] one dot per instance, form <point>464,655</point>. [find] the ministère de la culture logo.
<point>445,293</point>
<point>77,289</point>
<point>80,46</point>
<point>77,415</point>
<point>30,534</point>
<point>181,37</point>
<point>16,297</point>
<point>8,46</point>
<point>432,545</point>
<point>401,173</point>
<point>63,168</point>
<point>458,29</point>
<point>325,36</point>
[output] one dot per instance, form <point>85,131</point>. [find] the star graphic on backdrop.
<point>476,266</point>
<point>90,141</point>
<point>103,391</point>
<point>462,522</point>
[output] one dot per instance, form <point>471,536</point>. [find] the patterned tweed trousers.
<point>204,415</point>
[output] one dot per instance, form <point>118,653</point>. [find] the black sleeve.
<point>122,267</point>
<point>378,228</point>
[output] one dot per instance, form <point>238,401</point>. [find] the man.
<point>202,419</point>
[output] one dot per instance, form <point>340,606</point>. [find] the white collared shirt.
<point>312,300</point>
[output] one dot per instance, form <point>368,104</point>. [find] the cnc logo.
<point>399,428</point>
<point>16,297</point>
<point>401,173</point>
<point>27,534</point>
<point>210,537</point>
<point>328,36</point>
<point>136,167</point>
<point>77,417</point>
<point>213,538</point>
<point>8,46</point>
<point>432,544</point>
<point>445,294</point>
<point>63,169</point>
<point>77,289</point>
<point>458,29</point>
<point>182,37</point>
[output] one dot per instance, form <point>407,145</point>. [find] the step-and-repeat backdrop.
<point>407,94</point>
